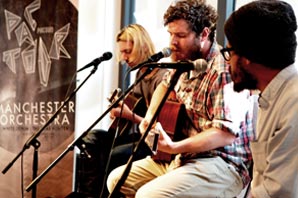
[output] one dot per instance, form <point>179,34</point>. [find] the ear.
<point>146,49</point>
<point>244,60</point>
<point>246,63</point>
<point>205,33</point>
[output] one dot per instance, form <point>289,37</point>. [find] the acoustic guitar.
<point>173,119</point>
<point>137,105</point>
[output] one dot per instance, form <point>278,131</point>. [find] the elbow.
<point>231,139</point>
<point>227,137</point>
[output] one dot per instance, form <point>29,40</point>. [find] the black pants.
<point>92,172</point>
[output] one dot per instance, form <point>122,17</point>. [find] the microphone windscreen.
<point>166,52</point>
<point>200,65</point>
<point>107,56</point>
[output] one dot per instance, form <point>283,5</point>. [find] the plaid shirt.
<point>211,102</point>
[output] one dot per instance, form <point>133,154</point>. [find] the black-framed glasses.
<point>226,53</point>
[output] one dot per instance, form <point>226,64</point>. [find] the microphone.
<point>166,52</point>
<point>199,65</point>
<point>95,62</point>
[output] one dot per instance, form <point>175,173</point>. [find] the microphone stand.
<point>32,141</point>
<point>174,79</point>
<point>78,141</point>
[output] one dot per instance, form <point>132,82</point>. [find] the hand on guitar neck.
<point>127,112</point>
<point>123,111</point>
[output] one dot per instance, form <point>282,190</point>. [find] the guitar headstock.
<point>114,95</point>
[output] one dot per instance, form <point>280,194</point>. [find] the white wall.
<point>99,22</point>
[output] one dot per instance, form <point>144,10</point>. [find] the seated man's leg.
<point>122,153</point>
<point>209,177</point>
<point>92,170</point>
<point>142,171</point>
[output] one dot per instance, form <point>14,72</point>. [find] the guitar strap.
<point>142,92</point>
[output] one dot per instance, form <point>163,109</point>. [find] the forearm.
<point>135,118</point>
<point>205,141</point>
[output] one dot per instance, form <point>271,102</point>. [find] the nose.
<point>124,56</point>
<point>173,40</point>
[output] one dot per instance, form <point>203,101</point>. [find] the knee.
<point>141,193</point>
<point>113,179</point>
<point>145,191</point>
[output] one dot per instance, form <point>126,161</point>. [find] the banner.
<point>38,46</point>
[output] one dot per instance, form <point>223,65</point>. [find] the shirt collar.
<point>214,51</point>
<point>275,85</point>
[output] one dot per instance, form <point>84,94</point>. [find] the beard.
<point>248,81</point>
<point>185,53</point>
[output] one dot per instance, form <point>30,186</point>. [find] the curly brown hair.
<point>197,13</point>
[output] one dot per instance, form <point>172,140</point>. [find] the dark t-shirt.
<point>147,86</point>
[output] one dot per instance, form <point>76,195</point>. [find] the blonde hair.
<point>143,46</point>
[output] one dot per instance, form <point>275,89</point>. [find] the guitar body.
<point>172,118</point>
<point>138,106</point>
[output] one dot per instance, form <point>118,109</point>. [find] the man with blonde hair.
<point>134,47</point>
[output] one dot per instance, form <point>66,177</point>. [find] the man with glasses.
<point>261,50</point>
<point>226,53</point>
<point>214,159</point>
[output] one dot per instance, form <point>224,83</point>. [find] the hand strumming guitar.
<point>170,122</point>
